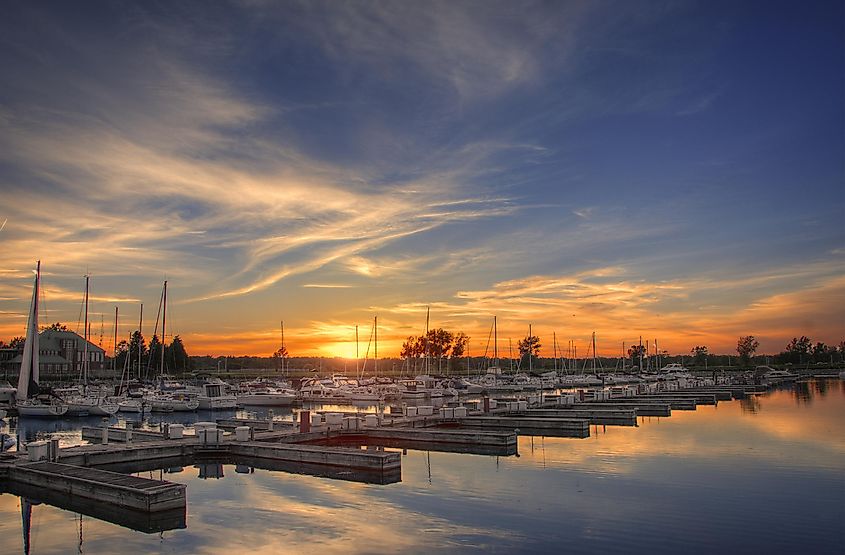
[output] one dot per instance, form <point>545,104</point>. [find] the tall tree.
<point>634,351</point>
<point>699,353</point>
<point>279,357</point>
<point>746,346</point>
<point>176,355</point>
<point>58,326</point>
<point>154,356</point>
<point>529,346</point>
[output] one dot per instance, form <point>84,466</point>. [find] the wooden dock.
<point>643,408</point>
<point>140,494</point>
<point>605,416</point>
<point>536,426</point>
<point>444,439</point>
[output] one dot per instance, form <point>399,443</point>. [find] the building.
<point>60,357</point>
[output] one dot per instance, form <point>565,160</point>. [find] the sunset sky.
<point>667,169</point>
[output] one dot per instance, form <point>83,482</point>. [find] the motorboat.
<point>130,405</point>
<point>215,396</point>
<point>775,376</point>
<point>268,398</point>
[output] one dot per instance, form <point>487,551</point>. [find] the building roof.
<point>51,340</point>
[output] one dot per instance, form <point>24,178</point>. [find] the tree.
<point>746,346</point>
<point>821,352</point>
<point>280,355</point>
<point>176,355</point>
<point>699,353</point>
<point>529,346</point>
<point>58,326</point>
<point>799,346</point>
<point>459,344</point>
<point>439,343</point>
<point>17,342</point>
<point>154,354</point>
<point>635,352</point>
<point>413,347</point>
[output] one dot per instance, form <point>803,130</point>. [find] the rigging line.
<point>367,353</point>
<point>489,337</point>
<point>155,331</point>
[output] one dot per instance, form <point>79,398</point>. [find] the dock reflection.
<point>141,521</point>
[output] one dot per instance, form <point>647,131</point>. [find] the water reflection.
<point>718,478</point>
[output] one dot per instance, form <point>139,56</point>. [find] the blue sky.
<point>671,169</point>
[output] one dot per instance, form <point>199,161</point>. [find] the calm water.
<point>766,475</point>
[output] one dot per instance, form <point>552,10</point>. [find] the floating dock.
<point>527,425</point>
<point>643,408</point>
<point>140,494</point>
<point>445,439</point>
<point>606,416</point>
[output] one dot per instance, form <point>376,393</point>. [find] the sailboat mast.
<point>357,358</point>
<point>656,355</point>
<point>641,354</point>
<point>495,343</point>
<point>530,350</point>
<point>85,333</point>
<point>594,352</point>
<point>163,324</point>
<point>140,325</point>
<point>427,350</point>
<point>375,334</point>
<point>114,357</point>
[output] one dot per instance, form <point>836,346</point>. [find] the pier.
<point>140,494</point>
<point>528,425</point>
<point>94,479</point>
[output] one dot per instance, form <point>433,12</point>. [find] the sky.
<point>671,170</point>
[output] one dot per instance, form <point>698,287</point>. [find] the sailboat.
<point>28,404</point>
<point>86,404</point>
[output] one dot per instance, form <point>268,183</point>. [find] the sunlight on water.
<point>757,475</point>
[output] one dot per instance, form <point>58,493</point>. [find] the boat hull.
<point>269,400</point>
<point>42,411</point>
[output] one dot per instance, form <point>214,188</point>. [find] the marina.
<point>364,455</point>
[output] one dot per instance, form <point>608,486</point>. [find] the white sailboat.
<point>28,404</point>
<point>87,404</point>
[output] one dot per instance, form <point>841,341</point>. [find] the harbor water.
<point>763,474</point>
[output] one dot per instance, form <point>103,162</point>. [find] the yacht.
<point>776,376</point>
<point>268,397</point>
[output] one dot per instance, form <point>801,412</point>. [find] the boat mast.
<point>114,357</point>
<point>163,324</point>
<point>284,352</point>
<point>656,355</point>
<point>375,334</point>
<point>594,352</point>
<point>530,350</point>
<point>427,349</point>
<point>85,333</point>
<point>554,348</point>
<point>28,377</point>
<point>623,357</point>
<point>140,325</point>
<point>357,359</point>
<point>495,343</point>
